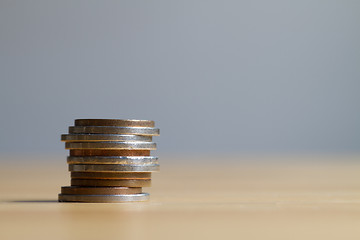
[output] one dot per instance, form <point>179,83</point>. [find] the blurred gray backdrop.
<point>216,76</point>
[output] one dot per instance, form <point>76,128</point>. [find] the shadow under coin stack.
<point>109,160</point>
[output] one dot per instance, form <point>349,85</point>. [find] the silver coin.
<point>144,131</point>
<point>110,175</point>
<point>111,145</point>
<point>104,137</point>
<point>71,190</point>
<point>125,160</point>
<point>104,198</point>
<point>113,168</point>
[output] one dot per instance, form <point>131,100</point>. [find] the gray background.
<point>216,76</point>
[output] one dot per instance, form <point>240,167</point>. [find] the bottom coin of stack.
<point>107,170</point>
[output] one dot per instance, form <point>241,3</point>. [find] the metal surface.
<point>111,182</point>
<point>104,198</point>
<point>111,145</point>
<point>100,152</point>
<point>109,160</point>
<point>113,168</point>
<point>114,122</point>
<point>132,160</point>
<point>115,130</point>
<point>110,175</point>
<point>99,190</point>
<point>104,137</point>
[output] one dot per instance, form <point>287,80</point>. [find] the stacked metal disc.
<point>109,160</point>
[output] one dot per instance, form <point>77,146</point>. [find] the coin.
<point>104,137</point>
<point>111,145</point>
<point>104,198</point>
<point>111,182</point>
<point>114,122</point>
<point>100,152</point>
<point>110,175</point>
<point>144,131</point>
<point>137,160</point>
<point>113,168</point>
<point>100,190</point>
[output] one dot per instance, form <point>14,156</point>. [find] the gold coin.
<point>111,183</point>
<point>115,122</point>
<point>100,190</point>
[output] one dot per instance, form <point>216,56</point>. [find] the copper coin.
<point>111,145</point>
<point>132,160</point>
<point>110,175</point>
<point>113,168</point>
<point>114,122</point>
<point>100,152</point>
<point>104,138</point>
<point>99,190</point>
<point>111,183</point>
<point>104,198</point>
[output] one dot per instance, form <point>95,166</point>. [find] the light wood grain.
<point>233,197</point>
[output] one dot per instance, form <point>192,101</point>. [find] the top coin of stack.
<point>109,160</point>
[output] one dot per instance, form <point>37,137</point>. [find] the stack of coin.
<point>109,160</point>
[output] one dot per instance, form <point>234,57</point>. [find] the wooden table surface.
<point>234,197</point>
